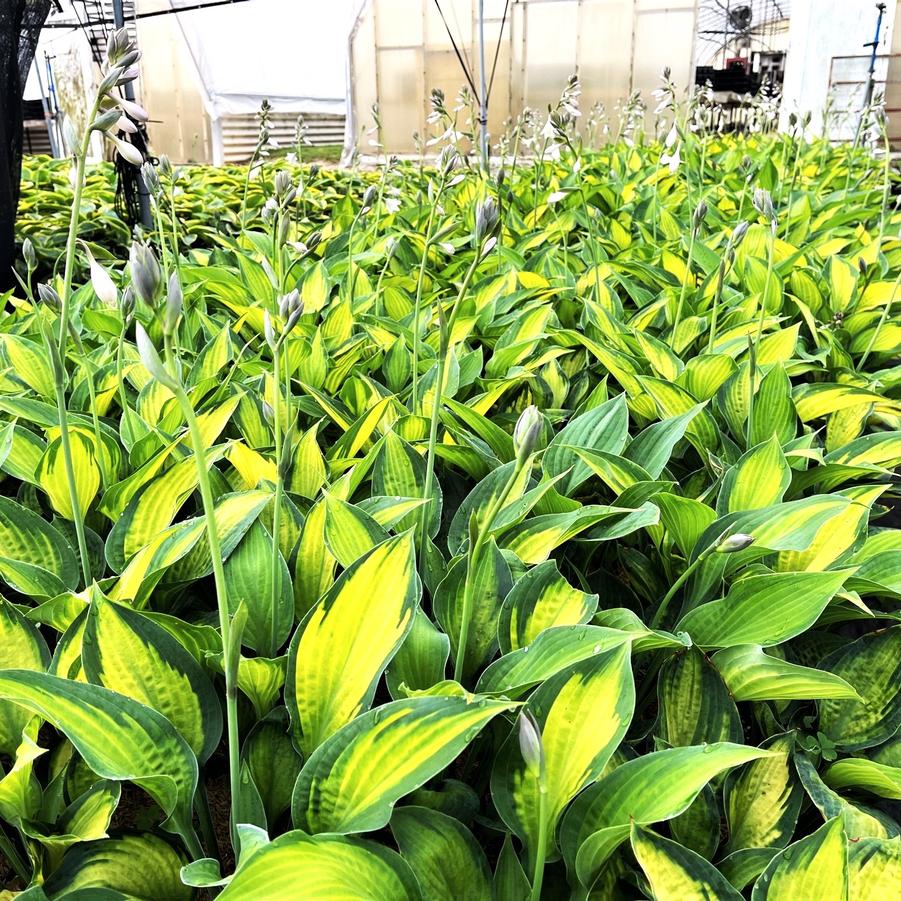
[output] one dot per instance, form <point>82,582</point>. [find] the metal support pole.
<point>871,82</point>
<point>483,89</point>
<point>129,91</point>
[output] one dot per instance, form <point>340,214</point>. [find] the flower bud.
<point>151,359</point>
<point>30,257</point>
<point>49,296</point>
<point>369,197</point>
<point>165,165</point>
<point>486,219</point>
<point>127,303</point>
<point>282,183</point>
<point>530,744</point>
<point>268,412</point>
<point>103,285</point>
<point>106,120</point>
<point>739,234</point>
<point>145,272</point>
<point>175,300</point>
<point>314,170</point>
<point>733,543</point>
<point>699,214</point>
<point>763,203</point>
<point>269,331</point>
<point>110,80</point>
<point>526,433</point>
<point>127,151</point>
<point>135,110</point>
<point>151,178</point>
<point>123,123</point>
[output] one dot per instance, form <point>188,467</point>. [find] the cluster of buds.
<point>763,203</point>
<point>290,309</point>
<point>486,220</point>
<point>115,114</point>
<point>146,275</point>
<point>735,239</point>
<point>697,219</point>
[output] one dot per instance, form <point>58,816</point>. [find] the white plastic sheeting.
<point>291,52</point>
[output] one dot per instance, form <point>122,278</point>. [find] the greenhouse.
<point>449,449</point>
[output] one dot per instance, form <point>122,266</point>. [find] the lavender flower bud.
<point>486,219</point>
<point>699,214</point>
<point>145,272</point>
<point>739,234</point>
<point>49,296</point>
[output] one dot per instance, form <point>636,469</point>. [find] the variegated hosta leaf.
<point>674,871</point>
<point>351,782</point>
<point>343,645</point>
<point>752,675</point>
<point>117,737</point>
<point>323,866</point>
<point>763,800</point>
<point>745,615</point>
<point>542,598</point>
<point>874,868</point>
<point>130,654</point>
<point>137,866</point>
<point>52,477</point>
<point>872,664</point>
<point>814,867</point>
<point>445,857</point>
<point>599,690</point>
<point>648,789</point>
<point>35,559</point>
<point>21,647</point>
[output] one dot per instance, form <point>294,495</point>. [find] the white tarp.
<point>291,52</point>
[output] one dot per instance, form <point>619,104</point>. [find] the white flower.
<point>392,204</point>
<point>291,157</point>
<point>556,197</point>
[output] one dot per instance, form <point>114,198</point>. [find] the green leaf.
<point>814,867</point>
<point>745,615</point>
<point>674,871</point>
<point>872,664</point>
<point>605,428</point>
<point>763,800</point>
<point>325,866</point>
<point>126,652</point>
<point>343,645</point>
<point>34,557</point>
<point>874,869</point>
<point>858,772</point>
<point>599,690</point>
<point>445,857</point>
<point>21,647</point>
<point>540,599</point>
<point>140,867</point>
<point>52,477</point>
<point>117,737</point>
<point>759,479</point>
<point>351,782</point>
<point>695,705</point>
<point>248,580</point>
<point>752,675</point>
<point>648,789</point>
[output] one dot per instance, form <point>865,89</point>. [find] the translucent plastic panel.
<point>663,37</point>
<point>605,51</point>
<point>401,92</point>
<point>551,31</point>
<point>398,23</point>
<point>363,73</point>
<point>459,15</point>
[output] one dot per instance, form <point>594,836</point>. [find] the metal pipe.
<point>483,89</point>
<point>871,82</point>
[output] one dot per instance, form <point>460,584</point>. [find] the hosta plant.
<point>532,535</point>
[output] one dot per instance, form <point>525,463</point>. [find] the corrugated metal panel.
<point>240,133</point>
